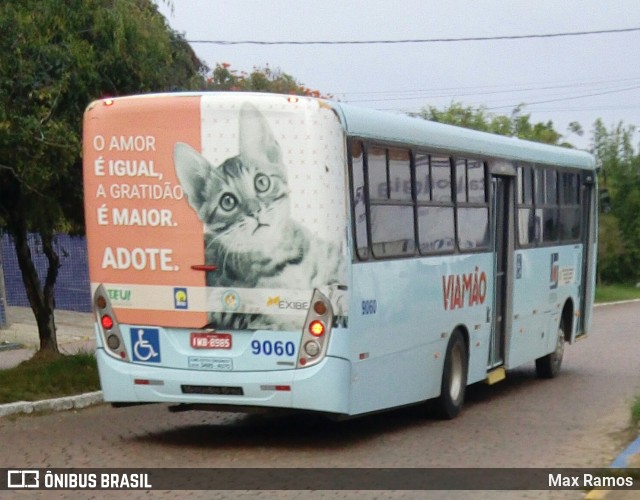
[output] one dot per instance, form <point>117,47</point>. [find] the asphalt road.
<point>580,419</point>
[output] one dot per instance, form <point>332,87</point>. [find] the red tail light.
<point>107,322</point>
<point>316,332</point>
<point>316,328</point>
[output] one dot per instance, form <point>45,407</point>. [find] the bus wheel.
<point>454,378</point>
<point>549,366</point>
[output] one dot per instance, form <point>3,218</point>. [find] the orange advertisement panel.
<point>139,228</point>
<point>248,189</point>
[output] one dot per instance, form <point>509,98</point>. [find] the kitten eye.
<point>228,202</point>
<point>262,183</point>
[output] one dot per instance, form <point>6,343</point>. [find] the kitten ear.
<point>191,169</point>
<point>256,138</point>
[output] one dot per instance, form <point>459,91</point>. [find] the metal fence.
<point>72,289</point>
<point>3,300</point>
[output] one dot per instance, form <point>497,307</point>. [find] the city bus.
<point>262,251</point>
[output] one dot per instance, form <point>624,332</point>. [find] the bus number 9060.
<point>268,348</point>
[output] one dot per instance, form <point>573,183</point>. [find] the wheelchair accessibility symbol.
<point>146,344</point>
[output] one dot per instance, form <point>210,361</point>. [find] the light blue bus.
<point>291,252</point>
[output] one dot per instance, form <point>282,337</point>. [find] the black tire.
<point>549,366</point>
<point>454,378</point>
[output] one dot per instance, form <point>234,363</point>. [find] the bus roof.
<point>438,137</point>
<point>435,137</point>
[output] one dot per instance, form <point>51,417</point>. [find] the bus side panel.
<point>545,279</point>
<point>323,387</point>
<point>401,316</point>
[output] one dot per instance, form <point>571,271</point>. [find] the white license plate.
<point>214,364</point>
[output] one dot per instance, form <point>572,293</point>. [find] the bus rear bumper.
<point>324,387</point>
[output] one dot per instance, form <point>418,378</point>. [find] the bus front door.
<point>502,242</point>
<point>587,202</point>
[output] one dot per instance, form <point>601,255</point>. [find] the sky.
<point>559,79</point>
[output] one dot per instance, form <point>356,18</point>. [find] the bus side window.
<point>550,230</point>
<point>528,234</point>
<point>391,202</point>
<point>472,205</point>
<point>359,200</point>
<point>392,230</point>
<point>435,229</point>
<point>570,214</point>
<point>435,205</point>
<point>400,175</point>
<point>441,175</point>
<point>377,170</point>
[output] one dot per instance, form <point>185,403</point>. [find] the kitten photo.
<point>249,233</point>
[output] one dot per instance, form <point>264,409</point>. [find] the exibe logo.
<point>287,304</point>
<point>273,301</point>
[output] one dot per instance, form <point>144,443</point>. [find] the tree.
<point>619,229</point>
<point>55,58</point>
<point>516,125</point>
<point>619,243</point>
<point>259,80</point>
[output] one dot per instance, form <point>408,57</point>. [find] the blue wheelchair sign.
<point>146,344</point>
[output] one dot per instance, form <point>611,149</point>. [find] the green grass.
<point>614,293</point>
<point>635,411</point>
<point>49,376</point>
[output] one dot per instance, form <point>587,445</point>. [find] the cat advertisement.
<point>219,209</point>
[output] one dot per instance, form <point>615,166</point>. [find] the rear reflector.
<point>144,381</point>
<point>285,388</point>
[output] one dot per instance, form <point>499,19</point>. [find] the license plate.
<point>200,340</point>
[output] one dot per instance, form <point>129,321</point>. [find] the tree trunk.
<point>3,294</point>
<point>40,298</point>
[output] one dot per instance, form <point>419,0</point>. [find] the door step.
<point>495,376</point>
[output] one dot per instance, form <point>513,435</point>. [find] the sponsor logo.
<point>230,300</point>
<point>119,294</point>
<point>280,303</point>
<point>180,298</point>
